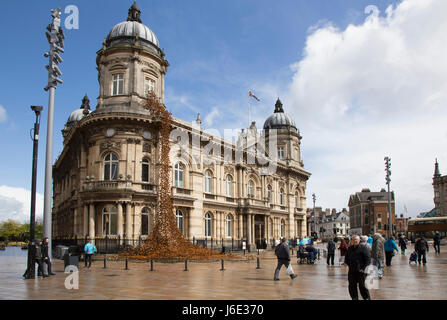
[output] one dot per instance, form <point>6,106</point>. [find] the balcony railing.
<point>118,185</point>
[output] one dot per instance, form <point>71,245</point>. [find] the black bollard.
<point>105,264</point>
<point>127,265</point>
<point>258,262</point>
<point>152,265</point>
<point>222,268</point>
<point>186,265</point>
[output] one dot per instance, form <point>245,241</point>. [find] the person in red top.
<point>343,250</point>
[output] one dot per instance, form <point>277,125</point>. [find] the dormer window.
<point>118,84</point>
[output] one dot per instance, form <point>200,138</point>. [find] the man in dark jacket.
<point>38,259</point>
<point>45,257</point>
<point>421,247</point>
<point>283,255</point>
<point>357,258</point>
<point>437,243</point>
<point>331,251</point>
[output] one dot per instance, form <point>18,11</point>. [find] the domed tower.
<point>130,64</point>
<point>289,139</point>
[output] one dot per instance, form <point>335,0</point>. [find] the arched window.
<point>296,200</point>
<point>109,217</point>
<point>228,226</point>
<point>208,225</point>
<point>145,222</point>
<point>250,189</point>
<point>145,170</point>
<point>269,194</point>
<point>178,175</point>
<point>111,167</point>
<point>283,228</point>
<point>208,181</point>
<point>180,220</point>
<point>281,197</point>
<point>228,185</point>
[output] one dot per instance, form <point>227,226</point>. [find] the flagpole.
<point>249,109</point>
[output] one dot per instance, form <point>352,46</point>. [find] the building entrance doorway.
<point>260,232</point>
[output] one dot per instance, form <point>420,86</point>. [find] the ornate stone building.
<point>440,192</point>
<point>106,178</point>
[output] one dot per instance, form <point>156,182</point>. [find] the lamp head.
<point>37,109</point>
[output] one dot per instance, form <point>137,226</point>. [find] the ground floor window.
<point>180,220</point>
<point>109,220</point>
<point>145,224</point>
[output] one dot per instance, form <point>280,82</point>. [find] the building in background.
<point>402,224</point>
<point>335,224</point>
<point>440,192</point>
<point>368,212</point>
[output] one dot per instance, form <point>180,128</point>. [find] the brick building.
<point>368,212</point>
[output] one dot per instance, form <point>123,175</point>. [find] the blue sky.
<point>325,59</point>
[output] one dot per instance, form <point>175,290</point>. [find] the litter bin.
<point>60,251</point>
<point>70,259</point>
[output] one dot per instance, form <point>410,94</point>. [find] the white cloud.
<point>3,116</point>
<point>371,90</point>
<point>209,119</point>
<point>15,203</point>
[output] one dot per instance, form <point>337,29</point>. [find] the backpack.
<point>413,257</point>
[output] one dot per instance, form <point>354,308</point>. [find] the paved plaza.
<point>241,280</point>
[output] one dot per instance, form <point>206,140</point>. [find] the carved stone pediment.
<point>112,144</point>
<point>229,170</point>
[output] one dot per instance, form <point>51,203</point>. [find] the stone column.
<point>248,230</point>
<point>241,224</point>
<point>91,231</point>
<point>128,220</point>
<point>75,221</point>
<point>85,227</point>
<point>119,219</point>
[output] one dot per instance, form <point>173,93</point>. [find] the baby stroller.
<point>413,257</point>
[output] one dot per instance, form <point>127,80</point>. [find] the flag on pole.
<point>250,94</point>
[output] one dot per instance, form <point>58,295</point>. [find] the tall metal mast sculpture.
<point>55,37</point>
<point>388,180</point>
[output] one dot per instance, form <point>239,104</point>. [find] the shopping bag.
<point>342,259</point>
<point>290,270</point>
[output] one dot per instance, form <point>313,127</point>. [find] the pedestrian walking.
<point>364,242</point>
<point>390,246</point>
<point>421,247</point>
<point>331,251</point>
<point>89,250</point>
<point>343,250</point>
<point>283,254</point>
<point>437,243</point>
<point>38,258</point>
<point>370,241</point>
<point>45,257</point>
<point>378,253</point>
<point>358,258</point>
<point>402,244</point>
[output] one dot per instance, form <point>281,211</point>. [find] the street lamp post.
<point>313,229</point>
<point>55,37</point>
<point>388,180</point>
<point>30,271</point>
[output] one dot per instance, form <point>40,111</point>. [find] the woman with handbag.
<point>390,246</point>
<point>343,250</point>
